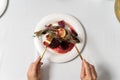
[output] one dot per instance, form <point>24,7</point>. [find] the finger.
<point>36,64</point>
<point>82,70</point>
<point>31,65</point>
<point>30,68</point>
<point>38,59</point>
<point>87,68</point>
<point>94,74</point>
<point>38,69</point>
<point>94,71</point>
<point>39,64</point>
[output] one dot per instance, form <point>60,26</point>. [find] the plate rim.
<point>4,7</point>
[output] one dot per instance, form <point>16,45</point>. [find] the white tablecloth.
<point>17,48</point>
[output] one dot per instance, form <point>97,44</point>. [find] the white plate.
<point>3,5</point>
<point>50,55</point>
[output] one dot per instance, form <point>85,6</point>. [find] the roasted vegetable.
<point>59,35</point>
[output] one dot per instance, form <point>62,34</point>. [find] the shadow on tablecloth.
<point>104,72</point>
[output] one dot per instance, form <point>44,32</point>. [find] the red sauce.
<point>61,51</point>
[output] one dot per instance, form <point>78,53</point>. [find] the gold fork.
<point>79,53</point>
<point>43,53</point>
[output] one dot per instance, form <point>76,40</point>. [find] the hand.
<point>88,71</point>
<point>34,71</point>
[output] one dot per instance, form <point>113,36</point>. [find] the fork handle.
<point>43,53</point>
<point>79,52</point>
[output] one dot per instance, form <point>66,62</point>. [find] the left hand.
<point>34,71</point>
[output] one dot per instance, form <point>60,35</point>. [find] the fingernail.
<point>41,63</point>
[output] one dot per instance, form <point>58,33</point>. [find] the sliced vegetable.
<point>55,43</point>
<point>61,32</point>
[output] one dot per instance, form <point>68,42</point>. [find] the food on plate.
<point>59,36</point>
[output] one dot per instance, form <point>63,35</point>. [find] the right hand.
<point>88,71</point>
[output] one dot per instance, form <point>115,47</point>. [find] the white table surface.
<point>17,48</point>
